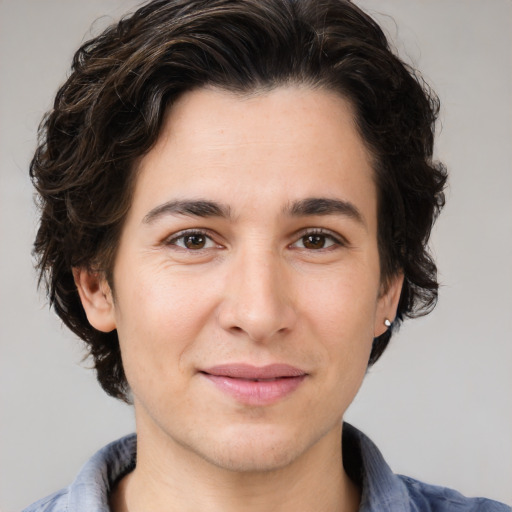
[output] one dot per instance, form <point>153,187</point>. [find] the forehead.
<point>277,147</point>
<point>203,118</point>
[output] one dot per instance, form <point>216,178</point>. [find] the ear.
<point>388,303</point>
<point>96,297</point>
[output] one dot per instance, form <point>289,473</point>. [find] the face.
<point>247,281</point>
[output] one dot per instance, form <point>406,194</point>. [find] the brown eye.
<point>313,241</point>
<point>316,241</point>
<point>194,241</point>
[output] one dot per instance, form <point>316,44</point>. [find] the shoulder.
<point>385,491</point>
<point>433,498</point>
<point>56,502</point>
<point>90,489</point>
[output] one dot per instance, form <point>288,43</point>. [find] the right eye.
<point>192,241</point>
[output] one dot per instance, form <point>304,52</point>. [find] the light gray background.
<point>439,403</point>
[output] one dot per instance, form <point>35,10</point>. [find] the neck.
<point>173,479</point>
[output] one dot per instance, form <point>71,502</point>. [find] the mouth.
<point>253,385</point>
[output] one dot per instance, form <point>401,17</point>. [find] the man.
<point>236,201</point>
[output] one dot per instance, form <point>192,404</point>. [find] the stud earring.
<point>387,322</point>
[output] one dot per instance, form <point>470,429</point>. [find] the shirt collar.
<point>382,490</point>
<point>91,488</point>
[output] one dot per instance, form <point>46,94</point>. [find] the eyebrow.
<point>324,206</point>
<point>302,208</point>
<point>196,208</point>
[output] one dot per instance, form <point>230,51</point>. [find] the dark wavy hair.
<point>110,110</point>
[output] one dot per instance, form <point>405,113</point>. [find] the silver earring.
<point>387,322</point>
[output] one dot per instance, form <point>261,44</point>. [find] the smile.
<point>255,386</point>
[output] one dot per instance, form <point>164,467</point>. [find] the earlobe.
<point>388,304</point>
<point>96,297</point>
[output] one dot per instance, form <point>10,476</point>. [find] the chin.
<point>252,459</point>
<point>252,452</point>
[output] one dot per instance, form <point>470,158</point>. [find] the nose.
<point>258,300</point>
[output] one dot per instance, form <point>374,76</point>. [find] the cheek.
<point>343,304</point>
<point>158,320</point>
<point>340,312</point>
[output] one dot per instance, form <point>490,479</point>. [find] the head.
<point>110,112</point>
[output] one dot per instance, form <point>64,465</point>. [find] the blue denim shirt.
<point>382,490</point>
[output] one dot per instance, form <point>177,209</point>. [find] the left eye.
<point>315,241</point>
<point>193,241</point>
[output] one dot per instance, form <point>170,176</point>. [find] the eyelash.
<point>189,233</point>
<point>337,240</point>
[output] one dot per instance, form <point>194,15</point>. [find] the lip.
<point>255,385</point>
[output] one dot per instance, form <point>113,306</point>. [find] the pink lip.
<point>255,385</point>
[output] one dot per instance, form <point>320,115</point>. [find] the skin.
<point>251,288</point>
